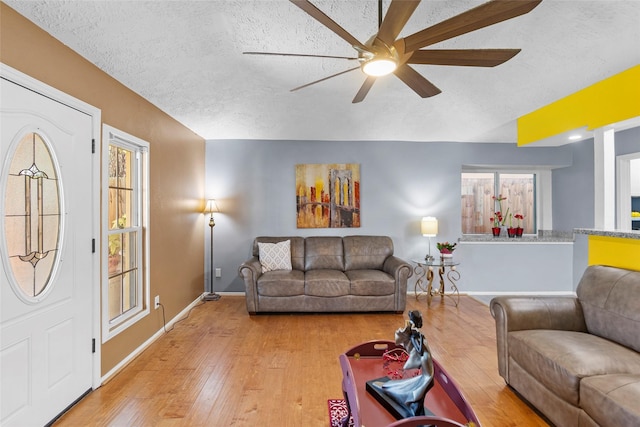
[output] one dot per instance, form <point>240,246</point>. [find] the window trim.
<point>543,196</point>
<point>113,136</point>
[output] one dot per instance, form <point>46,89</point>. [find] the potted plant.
<point>519,228</point>
<point>446,249</point>
<point>511,230</point>
<point>498,218</point>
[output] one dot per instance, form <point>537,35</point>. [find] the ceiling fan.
<point>383,54</point>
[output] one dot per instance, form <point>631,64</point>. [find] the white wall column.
<point>605,179</point>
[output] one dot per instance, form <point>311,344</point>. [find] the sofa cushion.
<point>371,282</point>
<point>297,249</point>
<point>609,298</point>
<point>366,252</point>
<point>326,283</point>
<point>560,359</point>
<point>612,400</point>
<point>324,253</point>
<point>275,256</point>
<point>281,283</point>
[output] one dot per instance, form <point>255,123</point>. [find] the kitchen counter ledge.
<point>544,236</point>
<point>635,234</point>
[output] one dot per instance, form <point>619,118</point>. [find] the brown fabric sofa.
<point>577,359</point>
<point>329,274</point>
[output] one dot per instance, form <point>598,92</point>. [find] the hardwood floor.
<point>222,367</point>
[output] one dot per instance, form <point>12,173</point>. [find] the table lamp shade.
<point>429,226</point>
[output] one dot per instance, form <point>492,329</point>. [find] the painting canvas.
<point>328,195</point>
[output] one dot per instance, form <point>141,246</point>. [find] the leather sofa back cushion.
<point>366,252</point>
<point>610,299</point>
<point>297,249</point>
<point>324,253</point>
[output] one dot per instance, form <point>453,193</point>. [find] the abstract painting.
<point>328,195</point>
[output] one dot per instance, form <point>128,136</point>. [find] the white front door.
<point>47,259</point>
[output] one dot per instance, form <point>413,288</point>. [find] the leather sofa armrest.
<point>394,266</point>
<point>520,313</point>
<point>250,271</point>
<point>513,313</point>
<point>400,270</point>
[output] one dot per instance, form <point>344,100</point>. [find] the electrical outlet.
<point>218,272</point>
<point>157,302</point>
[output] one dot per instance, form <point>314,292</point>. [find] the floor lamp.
<point>429,228</point>
<point>211,207</point>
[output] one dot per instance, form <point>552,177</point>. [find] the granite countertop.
<point>543,236</point>
<point>549,236</point>
<point>635,234</point>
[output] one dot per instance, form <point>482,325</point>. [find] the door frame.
<point>623,168</point>
<point>28,82</point>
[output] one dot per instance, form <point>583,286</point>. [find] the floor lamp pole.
<point>211,296</point>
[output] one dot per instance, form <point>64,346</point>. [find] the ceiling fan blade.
<point>482,16</point>
<point>415,81</point>
<point>463,57</point>
<point>299,54</point>
<point>364,89</point>
<point>395,19</point>
<point>320,16</point>
<point>323,79</point>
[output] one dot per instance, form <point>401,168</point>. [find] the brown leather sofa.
<point>329,274</point>
<point>576,359</point>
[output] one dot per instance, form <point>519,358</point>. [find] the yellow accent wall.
<point>614,251</point>
<point>611,100</point>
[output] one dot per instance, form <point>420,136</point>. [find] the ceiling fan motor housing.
<point>377,51</point>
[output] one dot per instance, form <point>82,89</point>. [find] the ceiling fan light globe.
<point>379,67</point>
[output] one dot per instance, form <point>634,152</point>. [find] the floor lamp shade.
<point>429,226</point>
<point>212,207</point>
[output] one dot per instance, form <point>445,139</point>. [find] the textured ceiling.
<point>186,58</point>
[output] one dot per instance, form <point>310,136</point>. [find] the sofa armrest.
<point>513,313</point>
<point>250,271</point>
<point>400,270</point>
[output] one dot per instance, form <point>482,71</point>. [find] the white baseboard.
<point>522,293</point>
<point>514,293</point>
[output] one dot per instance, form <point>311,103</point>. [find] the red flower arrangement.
<point>519,217</point>
<point>519,228</point>
<point>498,218</point>
<point>446,247</point>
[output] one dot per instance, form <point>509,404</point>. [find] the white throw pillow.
<point>275,256</point>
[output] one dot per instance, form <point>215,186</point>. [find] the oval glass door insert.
<point>32,216</point>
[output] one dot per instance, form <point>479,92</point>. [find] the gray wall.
<point>573,190</point>
<point>254,182</point>
<point>628,141</point>
<point>574,186</point>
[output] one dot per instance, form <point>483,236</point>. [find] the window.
<point>479,205</point>
<point>125,278</point>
